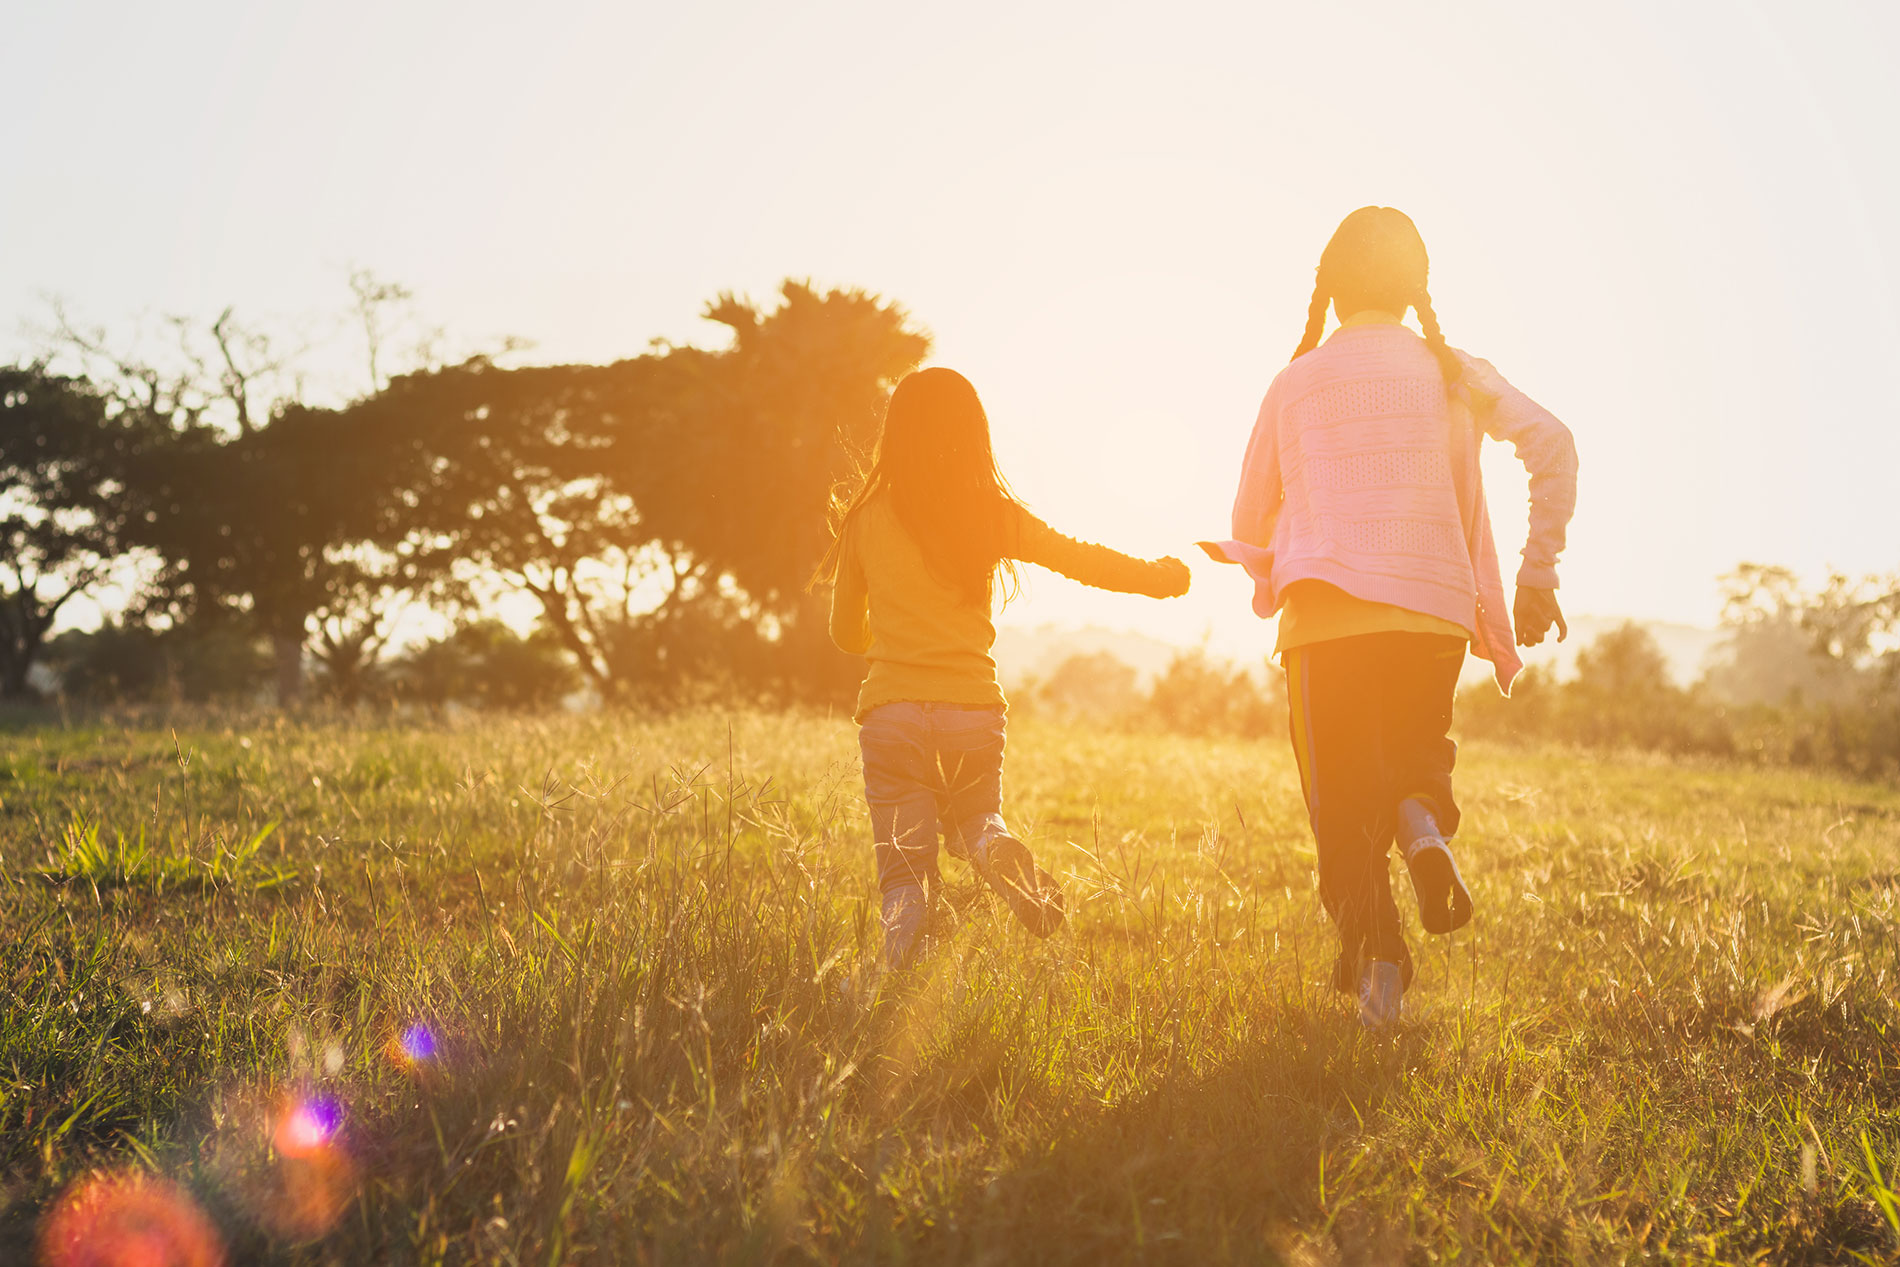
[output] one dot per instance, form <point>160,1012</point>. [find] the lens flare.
<point>416,1045</point>
<point>314,1179</point>
<point>128,1220</point>
<point>309,1127</point>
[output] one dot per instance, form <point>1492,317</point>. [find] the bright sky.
<point>1661,219</point>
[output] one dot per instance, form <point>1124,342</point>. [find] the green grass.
<point>649,952</point>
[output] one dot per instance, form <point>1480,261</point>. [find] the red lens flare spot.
<point>308,1127</point>
<point>314,1179</point>
<point>128,1220</point>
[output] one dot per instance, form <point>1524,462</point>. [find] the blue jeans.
<point>929,770</point>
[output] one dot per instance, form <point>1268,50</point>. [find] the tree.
<point>369,587</point>
<point>1770,654</point>
<point>1196,695</point>
<point>666,510</point>
<point>507,479</point>
<point>1854,621</point>
<point>1625,663</point>
<point>1827,658</point>
<point>255,503</point>
<point>279,522</point>
<point>790,410</point>
<point>1622,694</point>
<point>61,516</point>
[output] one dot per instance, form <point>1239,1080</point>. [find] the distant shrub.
<point>1621,697</point>
<point>488,665</point>
<point>1197,695</point>
<point>1842,713</point>
<point>704,651</point>
<point>1097,685</point>
<point>136,663</point>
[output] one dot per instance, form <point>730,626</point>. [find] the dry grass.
<point>646,952</point>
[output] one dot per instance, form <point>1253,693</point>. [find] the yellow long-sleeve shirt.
<point>1314,611</point>
<point>926,641</point>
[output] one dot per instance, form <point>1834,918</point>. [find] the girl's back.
<point>1368,452</point>
<point>924,639</point>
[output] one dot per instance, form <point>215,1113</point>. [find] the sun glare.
<point>129,1219</point>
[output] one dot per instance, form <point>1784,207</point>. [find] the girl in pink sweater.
<point>1361,518</point>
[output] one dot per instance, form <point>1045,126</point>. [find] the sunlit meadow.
<point>606,990</point>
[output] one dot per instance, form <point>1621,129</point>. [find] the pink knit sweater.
<point>1363,472</point>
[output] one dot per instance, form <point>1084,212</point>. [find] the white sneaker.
<point>1381,994</point>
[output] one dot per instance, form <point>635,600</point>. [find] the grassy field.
<point>603,990</point>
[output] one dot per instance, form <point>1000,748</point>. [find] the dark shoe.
<point>1030,892</point>
<point>1444,903</point>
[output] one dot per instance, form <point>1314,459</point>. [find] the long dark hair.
<point>935,461</point>
<point>1376,259</point>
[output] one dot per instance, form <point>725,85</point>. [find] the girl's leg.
<point>969,744</point>
<point>899,787</point>
<point>1422,679</point>
<point>1336,714</point>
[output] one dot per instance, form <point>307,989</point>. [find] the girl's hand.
<point>1173,578</point>
<point>1534,613</point>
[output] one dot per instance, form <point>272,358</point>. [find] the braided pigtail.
<point>1315,320</point>
<point>1448,361</point>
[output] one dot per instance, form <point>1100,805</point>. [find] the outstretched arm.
<point>1547,450</point>
<point>1036,542</point>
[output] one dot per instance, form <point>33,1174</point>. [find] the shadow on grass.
<point>1216,1166</point>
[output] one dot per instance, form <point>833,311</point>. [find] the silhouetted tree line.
<point>660,513</point>
<point>1806,678</point>
<point>1803,678</point>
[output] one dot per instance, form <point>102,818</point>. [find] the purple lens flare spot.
<point>418,1043</point>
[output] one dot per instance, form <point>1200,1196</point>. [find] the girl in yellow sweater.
<point>913,568</point>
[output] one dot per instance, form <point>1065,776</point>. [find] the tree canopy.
<point>62,510</point>
<point>662,512</point>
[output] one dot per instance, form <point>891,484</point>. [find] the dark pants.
<point>1369,717</point>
